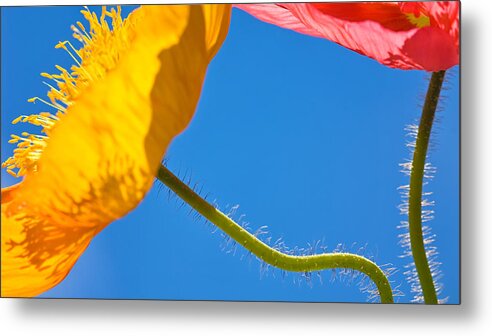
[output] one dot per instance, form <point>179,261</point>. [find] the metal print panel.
<point>248,152</point>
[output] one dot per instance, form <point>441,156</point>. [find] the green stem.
<point>270,255</point>
<point>416,181</point>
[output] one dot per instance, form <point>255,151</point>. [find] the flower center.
<point>420,21</point>
<point>102,45</point>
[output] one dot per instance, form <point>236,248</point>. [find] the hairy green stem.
<point>416,181</point>
<point>270,255</point>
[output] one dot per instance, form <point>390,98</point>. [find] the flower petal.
<point>36,255</point>
<point>102,156</point>
<point>279,15</point>
<point>445,16</point>
<point>443,55</point>
<point>382,31</point>
<point>387,14</point>
<point>368,38</point>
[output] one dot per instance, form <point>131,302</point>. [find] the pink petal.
<point>442,54</point>
<point>380,31</point>
<point>277,15</point>
<point>445,15</point>
<point>368,38</point>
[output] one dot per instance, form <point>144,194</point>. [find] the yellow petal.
<point>102,155</point>
<point>216,18</point>
<point>36,253</point>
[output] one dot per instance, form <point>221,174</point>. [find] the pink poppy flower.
<point>403,35</point>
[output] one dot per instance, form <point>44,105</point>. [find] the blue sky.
<point>304,135</point>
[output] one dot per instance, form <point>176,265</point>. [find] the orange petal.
<point>36,254</point>
<point>102,155</point>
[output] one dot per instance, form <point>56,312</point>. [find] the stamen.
<point>420,21</point>
<point>33,100</point>
<point>62,46</point>
<point>102,46</point>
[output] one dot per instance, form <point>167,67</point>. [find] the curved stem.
<point>270,255</point>
<point>416,181</point>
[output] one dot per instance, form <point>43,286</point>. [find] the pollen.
<point>419,21</point>
<point>106,38</point>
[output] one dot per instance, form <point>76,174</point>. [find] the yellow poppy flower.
<point>134,87</point>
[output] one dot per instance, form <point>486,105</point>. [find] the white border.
<point>70,317</point>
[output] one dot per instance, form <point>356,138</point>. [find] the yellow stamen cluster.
<point>102,46</point>
<point>420,21</point>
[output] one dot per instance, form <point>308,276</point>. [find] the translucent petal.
<point>102,155</point>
